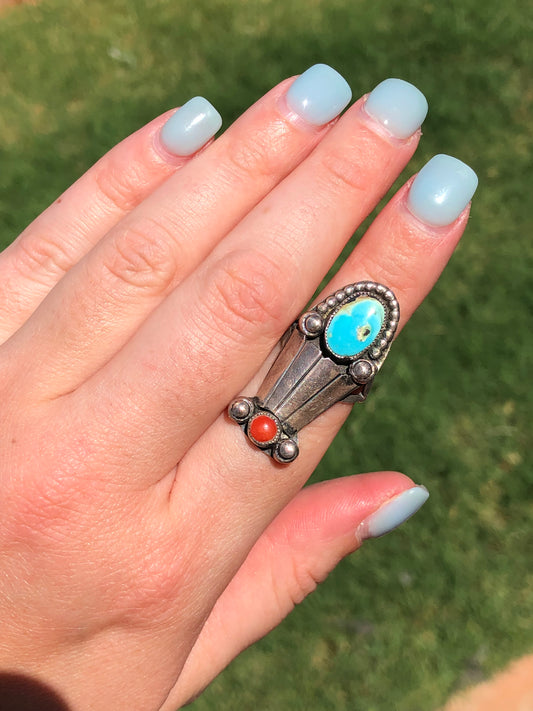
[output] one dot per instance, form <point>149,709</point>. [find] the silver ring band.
<point>331,353</point>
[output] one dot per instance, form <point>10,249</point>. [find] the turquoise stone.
<point>354,326</point>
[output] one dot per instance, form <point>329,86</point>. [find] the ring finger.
<point>241,490</point>
<point>214,331</point>
<point>400,249</point>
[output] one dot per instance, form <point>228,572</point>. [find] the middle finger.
<point>217,327</point>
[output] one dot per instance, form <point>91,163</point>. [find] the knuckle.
<point>160,578</point>
<point>144,257</point>
<point>253,156</point>
<point>38,513</point>
<point>303,580</point>
<point>376,268</point>
<point>398,267</point>
<point>42,254</point>
<point>341,171</point>
<point>248,294</point>
<point>121,182</point>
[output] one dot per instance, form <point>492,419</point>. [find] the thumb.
<point>321,525</point>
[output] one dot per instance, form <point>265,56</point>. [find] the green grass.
<point>448,598</point>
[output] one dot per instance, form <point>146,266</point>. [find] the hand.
<point>144,542</point>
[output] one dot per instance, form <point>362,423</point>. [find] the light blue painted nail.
<point>319,94</point>
<point>394,512</point>
<point>190,127</point>
<point>442,190</point>
<point>398,105</point>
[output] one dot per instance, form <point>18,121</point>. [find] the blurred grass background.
<point>448,598</point>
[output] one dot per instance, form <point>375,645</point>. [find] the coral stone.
<point>263,428</point>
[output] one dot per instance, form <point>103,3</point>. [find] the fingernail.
<point>399,106</point>
<point>393,513</point>
<point>190,127</point>
<point>441,190</point>
<point>319,94</point>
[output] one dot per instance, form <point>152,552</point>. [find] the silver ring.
<point>331,353</point>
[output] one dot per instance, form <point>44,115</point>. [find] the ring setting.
<point>331,354</point>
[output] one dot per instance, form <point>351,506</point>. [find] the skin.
<point>143,542</point>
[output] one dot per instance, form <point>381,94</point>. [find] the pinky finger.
<point>132,170</point>
<point>322,524</point>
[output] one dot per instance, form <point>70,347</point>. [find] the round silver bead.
<point>389,295</point>
<point>311,324</point>
<point>349,289</point>
<point>375,352</point>
<point>395,314</point>
<point>361,371</point>
<point>322,307</point>
<point>286,451</point>
<point>380,288</point>
<point>332,301</point>
<point>239,410</point>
